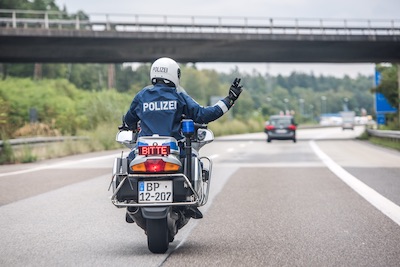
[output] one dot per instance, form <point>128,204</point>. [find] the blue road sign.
<point>381,103</point>
<point>377,78</point>
<point>380,119</point>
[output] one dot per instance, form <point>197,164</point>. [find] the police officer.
<point>160,106</point>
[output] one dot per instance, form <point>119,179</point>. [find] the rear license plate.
<point>281,131</point>
<point>155,191</point>
<point>154,150</point>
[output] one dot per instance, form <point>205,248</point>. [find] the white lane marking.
<point>283,164</point>
<point>58,165</point>
<point>383,204</point>
<point>218,188</point>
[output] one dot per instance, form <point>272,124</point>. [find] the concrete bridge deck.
<point>51,39</point>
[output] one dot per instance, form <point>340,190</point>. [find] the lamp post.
<point>312,112</point>
<point>345,106</point>
<point>286,106</point>
<point>323,104</point>
<point>268,109</point>
<point>301,103</point>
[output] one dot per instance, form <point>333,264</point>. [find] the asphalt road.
<point>328,200</point>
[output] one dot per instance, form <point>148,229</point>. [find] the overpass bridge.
<point>36,36</point>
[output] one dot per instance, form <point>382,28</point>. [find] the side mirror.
<point>127,138</point>
<point>205,136</point>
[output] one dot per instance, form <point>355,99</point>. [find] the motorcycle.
<point>160,188</point>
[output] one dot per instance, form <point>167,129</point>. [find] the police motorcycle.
<point>160,189</point>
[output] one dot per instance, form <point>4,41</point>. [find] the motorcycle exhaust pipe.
<point>132,210</point>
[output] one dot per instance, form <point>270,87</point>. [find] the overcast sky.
<point>320,9</point>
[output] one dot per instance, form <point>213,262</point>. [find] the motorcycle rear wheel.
<point>157,235</point>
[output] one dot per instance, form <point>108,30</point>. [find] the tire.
<point>157,235</point>
<point>294,140</point>
<point>269,140</point>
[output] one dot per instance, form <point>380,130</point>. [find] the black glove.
<point>234,92</point>
<point>235,89</point>
<point>123,127</point>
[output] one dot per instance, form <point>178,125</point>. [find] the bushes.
<point>66,110</point>
<point>51,99</point>
<point>59,104</point>
<point>62,109</point>
<point>7,153</point>
<point>102,137</point>
<point>103,107</point>
<point>234,126</point>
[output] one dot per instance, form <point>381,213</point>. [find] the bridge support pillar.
<point>37,72</point>
<point>111,76</point>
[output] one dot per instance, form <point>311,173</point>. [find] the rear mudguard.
<point>155,213</point>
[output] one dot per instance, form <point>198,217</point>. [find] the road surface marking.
<point>57,165</point>
<point>383,204</point>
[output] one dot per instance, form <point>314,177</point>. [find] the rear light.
<point>155,165</point>
<point>270,127</point>
<point>292,127</point>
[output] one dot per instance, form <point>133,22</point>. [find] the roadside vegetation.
<point>390,143</point>
<point>80,99</point>
<point>385,142</point>
<point>83,106</point>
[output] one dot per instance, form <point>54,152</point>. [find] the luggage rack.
<point>198,201</point>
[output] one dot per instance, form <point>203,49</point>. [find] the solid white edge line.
<point>383,204</point>
<point>57,165</point>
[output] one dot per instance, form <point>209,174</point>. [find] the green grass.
<point>27,155</point>
<point>7,153</point>
<point>385,142</point>
<point>380,141</point>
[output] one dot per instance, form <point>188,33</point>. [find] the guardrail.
<point>41,140</point>
<point>173,23</point>
<point>385,134</point>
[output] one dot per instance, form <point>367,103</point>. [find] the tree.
<point>124,77</point>
<point>389,84</point>
<point>29,5</point>
<point>89,76</point>
<point>15,4</point>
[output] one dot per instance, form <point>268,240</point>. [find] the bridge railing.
<point>203,24</point>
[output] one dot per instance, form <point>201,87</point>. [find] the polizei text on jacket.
<point>159,105</point>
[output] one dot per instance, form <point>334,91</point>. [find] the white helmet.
<point>165,69</point>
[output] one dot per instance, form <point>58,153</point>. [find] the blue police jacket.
<point>159,108</point>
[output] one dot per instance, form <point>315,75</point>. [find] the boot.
<point>128,218</point>
<point>194,213</point>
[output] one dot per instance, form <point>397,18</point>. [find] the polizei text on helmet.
<point>160,69</point>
